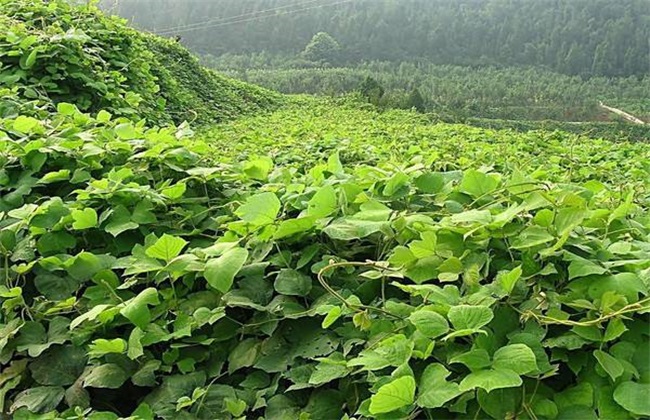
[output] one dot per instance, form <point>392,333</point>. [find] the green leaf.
<point>588,332</point>
<point>579,395</point>
<point>136,309</point>
<point>56,176</point>
<point>434,389</point>
<point>101,347</point>
<point>324,203</point>
<point>28,41</point>
<point>236,407</point>
<point>615,329</point>
<point>260,209</point>
<point>545,408</point>
<point>293,226</point>
<point>395,183</point>
<point>55,287</point>
<point>347,229</point>
<point>633,397</point>
<point>568,219</point>
<point>325,404</point>
<point>60,365</point>
<point>567,341</point>
<point>474,359</point>
<point>145,376</point>
<point>34,339</point>
<point>120,221</point>
<point>472,217</point>
<point>430,183</point>
<point>142,213</point>
<point>331,317</point>
<point>327,372</point>
<point>55,243</point>
<point>28,60</point>
<point>91,315</point>
<point>292,283</point>
<point>41,399</point>
<point>8,385</point>
<point>610,364</point>
<point>392,351</point>
<point>134,344</point>
<point>500,403</point>
<point>334,164</point>
<point>258,168</point>
<point>166,248</point>
<point>220,272</point>
<point>109,376</point>
<point>7,241</point>
<point>516,357</point>
<point>126,131</point>
<point>244,355</point>
<point>281,407</point>
<point>490,379</point>
<point>25,125</point>
<point>578,412</point>
<point>507,280</point>
<point>532,236</point>
<point>85,265</point>
<point>466,317</point>
<point>607,407</point>
<point>478,184</point>
<point>84,219</point>
<point>104,116</point>
<point>174,192</point>
<point>626,284</point>
<point>430,324</point>
<point>394,395</point>
<point>582,267</point>
<point>173,387</point>
<point>65,108</point>
<point>426,246</point>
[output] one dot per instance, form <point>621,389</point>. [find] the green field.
<point>299,257</point>
<point>531,94</point>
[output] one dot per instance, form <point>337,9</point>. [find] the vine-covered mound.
<point>54,52</point>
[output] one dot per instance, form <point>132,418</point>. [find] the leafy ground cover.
<point>145,277</point>
<point>614,131</point>
<point>315,128</point>
<point>323,261</point>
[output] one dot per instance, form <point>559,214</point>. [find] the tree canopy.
<point>322,48</point>
<point>577,37</point>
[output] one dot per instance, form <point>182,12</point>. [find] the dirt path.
<point>623,114</point>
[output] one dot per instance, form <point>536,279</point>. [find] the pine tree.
<point>415,100</point>
<point>371,90</point>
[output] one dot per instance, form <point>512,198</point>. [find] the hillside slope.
<point>53,52</point>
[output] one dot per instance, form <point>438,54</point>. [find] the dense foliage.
<point>312,132</point>
<point>614,131</point>
<point>516,94</point>
<point>322,261</point>
<point>144,276</point>
<point>585,37</point>
<point>53,52</point>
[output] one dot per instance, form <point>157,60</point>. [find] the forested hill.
<point>586,37</point>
